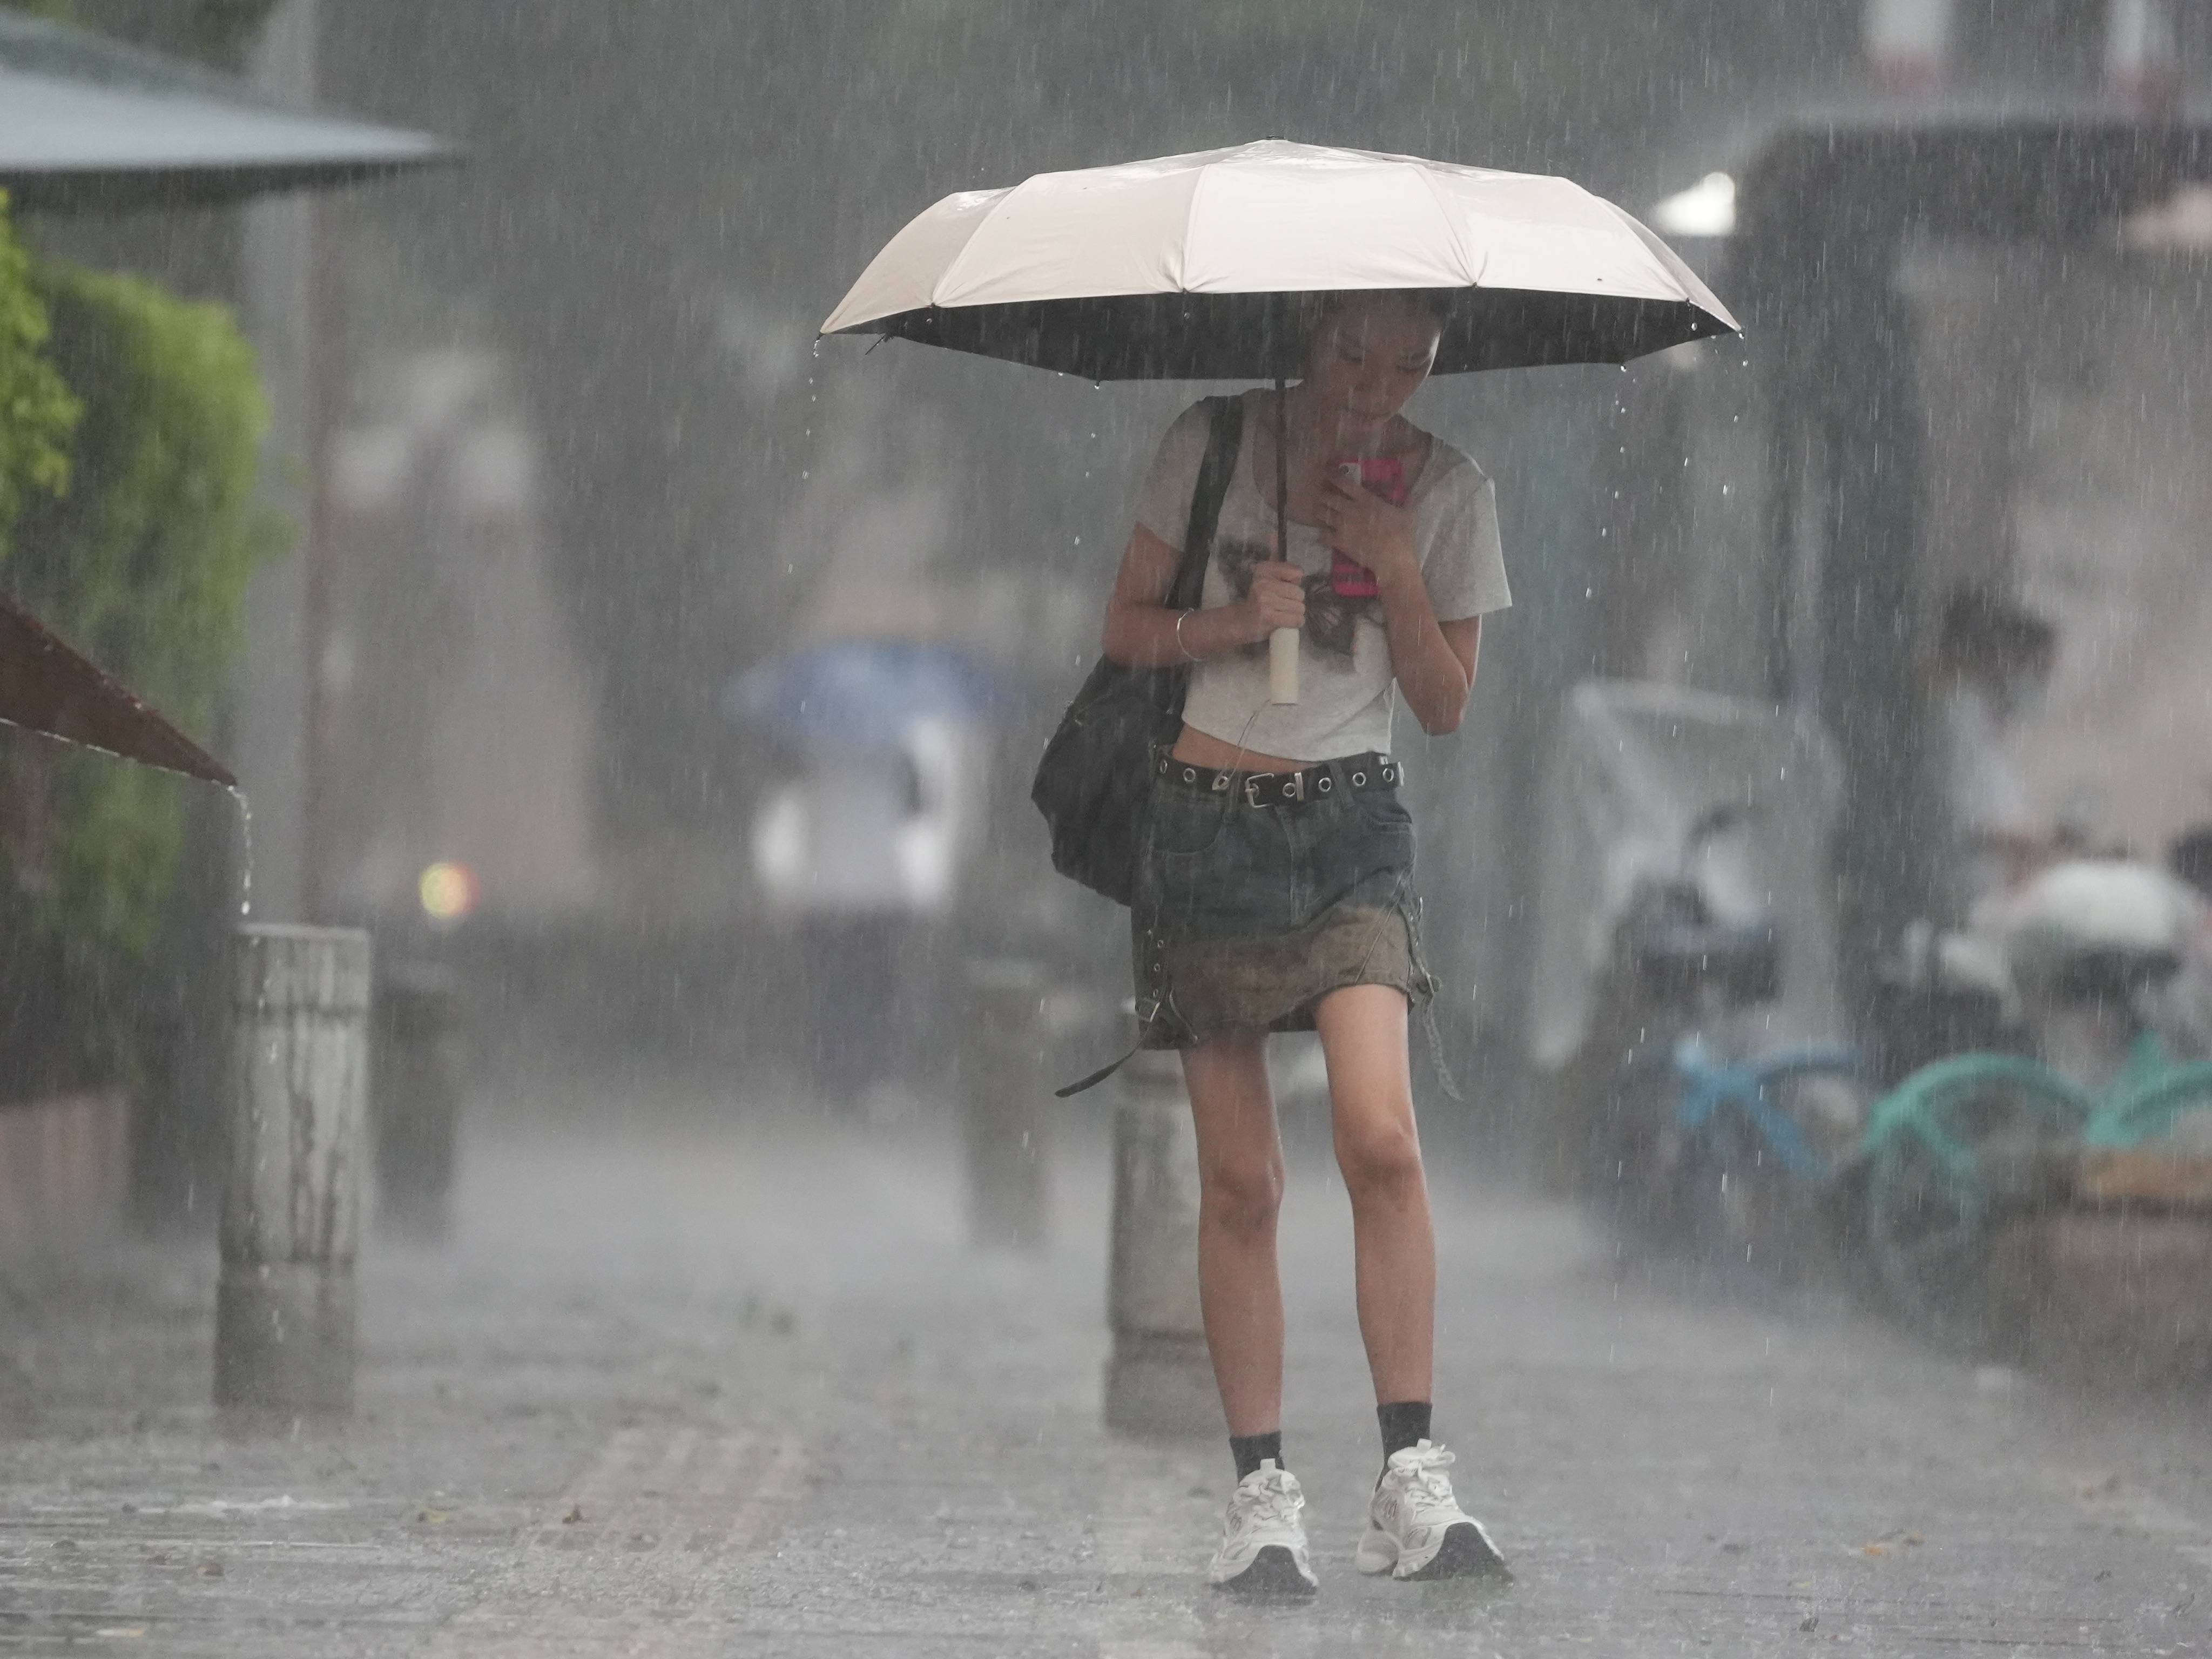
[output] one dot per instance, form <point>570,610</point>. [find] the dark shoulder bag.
<point>1095,779</point>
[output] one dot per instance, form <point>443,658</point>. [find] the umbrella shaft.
<point>1283,643</point>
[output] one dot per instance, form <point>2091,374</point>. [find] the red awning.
<point>46,687</point>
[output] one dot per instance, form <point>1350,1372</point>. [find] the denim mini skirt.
<point>1250,907</point>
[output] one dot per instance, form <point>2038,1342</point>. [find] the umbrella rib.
<point>1468,267</point>
<point>1189,222</point>
<point>942,284</point>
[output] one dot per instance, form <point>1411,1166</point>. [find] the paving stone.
<point>697,1375</point>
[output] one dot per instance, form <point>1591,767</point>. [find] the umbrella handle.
<point>1283,666</point>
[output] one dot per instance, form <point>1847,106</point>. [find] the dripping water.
<point>246,851</point>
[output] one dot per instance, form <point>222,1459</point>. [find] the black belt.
<point>1360,772</point>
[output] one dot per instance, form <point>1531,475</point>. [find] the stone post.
<point>1160,1381</point>
<point>1005,1102</point>
<point>291,1202</point>
<point>415,1097</point>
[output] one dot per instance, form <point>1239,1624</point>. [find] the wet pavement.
<point>694,1380</point>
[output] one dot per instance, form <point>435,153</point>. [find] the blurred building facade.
<point>715,489</point>
<point>569,461</point>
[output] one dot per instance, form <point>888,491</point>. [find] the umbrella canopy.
<point>46,687</point>
<point>867,694</point>
<point>1176,269</point>
<point>88,122</point>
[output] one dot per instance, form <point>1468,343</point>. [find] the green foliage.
<point>142,567</point>
<point>219,25</point>
<point>36,409</point>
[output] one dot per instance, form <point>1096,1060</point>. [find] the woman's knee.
<point>1242,1196</point>
<point>1380,1159</point>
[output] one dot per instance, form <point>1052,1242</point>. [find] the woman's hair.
<point>1989,635</point>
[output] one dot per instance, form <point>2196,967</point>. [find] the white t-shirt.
<point>1347,693</point>
<point>1988,798</point>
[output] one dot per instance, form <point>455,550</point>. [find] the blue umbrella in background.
<point>867,694</point>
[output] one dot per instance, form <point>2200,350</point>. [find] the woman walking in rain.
<point>1275,890</point>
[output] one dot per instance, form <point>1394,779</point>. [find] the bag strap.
<point>1072,1089</point>
<point>1224,437</point>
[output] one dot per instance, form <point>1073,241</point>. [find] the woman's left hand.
<point>1362,525</point>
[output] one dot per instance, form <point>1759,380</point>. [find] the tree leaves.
<point>37,413</point>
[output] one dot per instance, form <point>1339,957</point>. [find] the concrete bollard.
<point>1160,1381</point>
<point>291,1200</point>
<point>415,1097</point>
<point>1005,1108</point>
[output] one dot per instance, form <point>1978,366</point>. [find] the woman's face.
<point>1366,361</point>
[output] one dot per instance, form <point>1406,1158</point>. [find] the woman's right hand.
<point>1277,598</point>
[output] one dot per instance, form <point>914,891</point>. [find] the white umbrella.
<point>1150,270</point>
<point>1188,267</point>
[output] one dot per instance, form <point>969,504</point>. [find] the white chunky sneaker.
<point>1416,1528</point>
<point>1263,1545</point>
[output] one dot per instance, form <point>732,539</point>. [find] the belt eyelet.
<point>1189,775</point>
<point>1321,787</point>
<point>1359,780</point>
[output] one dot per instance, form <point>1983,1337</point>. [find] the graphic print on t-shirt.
<point>1332,617</point>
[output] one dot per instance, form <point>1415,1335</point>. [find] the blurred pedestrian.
<point>858,858</point>
<point>1993,657</point>
<point>1275,892</point>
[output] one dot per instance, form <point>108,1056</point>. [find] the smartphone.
<point>1385,475</point>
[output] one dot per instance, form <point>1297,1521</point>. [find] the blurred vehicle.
<point>2076,966</point>
<point>1686,1011</point>
<point>2090,946</point>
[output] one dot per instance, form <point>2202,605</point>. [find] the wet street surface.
<point>691,1379</point>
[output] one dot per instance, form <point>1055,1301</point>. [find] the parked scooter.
<point>2073,967</point>
<point>1688,1103</point>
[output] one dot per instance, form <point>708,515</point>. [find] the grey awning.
<point>87,122</point>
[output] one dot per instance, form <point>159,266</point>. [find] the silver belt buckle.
<point>1252,786</point>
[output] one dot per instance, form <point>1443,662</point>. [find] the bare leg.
<point>1240,1166</point>
<point>1362,1034</point>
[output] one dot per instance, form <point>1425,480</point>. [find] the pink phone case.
<point>1385,475</point>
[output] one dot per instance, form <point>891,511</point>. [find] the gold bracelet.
<point>1183,617</point>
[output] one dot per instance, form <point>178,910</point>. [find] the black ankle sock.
<point>1250,1451</point>
<point>1404,1423</point>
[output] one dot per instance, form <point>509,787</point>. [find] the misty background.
<point>766,1246</point>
